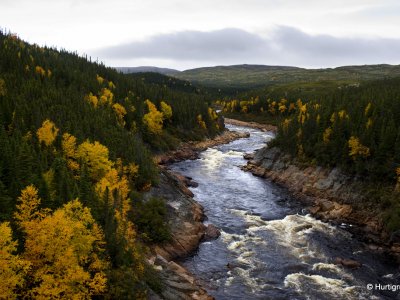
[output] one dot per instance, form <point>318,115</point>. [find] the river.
<point>269,247</point>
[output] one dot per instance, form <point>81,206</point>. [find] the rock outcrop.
<point>329,194</point>
<point>178,284</point>
<point>185,217</point>
<point>212,232</point>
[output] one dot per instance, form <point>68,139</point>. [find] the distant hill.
<point>245,77</point>
<point>145,69</point>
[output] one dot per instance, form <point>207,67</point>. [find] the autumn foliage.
<point>74,129</point>
<point>47,133</point>
<point>153,120</point>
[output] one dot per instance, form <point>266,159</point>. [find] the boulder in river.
<point>349,263</point>
<point>212,232</point>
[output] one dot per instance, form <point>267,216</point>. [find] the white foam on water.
<point>229,280</point>
<point>315,286</point>
<point>251,282</point>
<point>246,258</point>
<point>234,153</point>
<point>333,270</point>
<point>240,246</point>
<point>212,158</point>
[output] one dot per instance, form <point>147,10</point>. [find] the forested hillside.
<point>236,79</point>
<point>76,143</point>
<point>355,128</point>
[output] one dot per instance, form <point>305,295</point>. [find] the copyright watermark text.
<point>383,287</point>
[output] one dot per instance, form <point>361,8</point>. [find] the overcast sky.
<point>185,34</point>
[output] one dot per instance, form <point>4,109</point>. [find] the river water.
<point>269,248</point>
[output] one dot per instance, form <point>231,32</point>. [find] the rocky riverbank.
<point>191,150</point>
<point>328,194</point>
<point>185,217</point>
<point>263,127</point>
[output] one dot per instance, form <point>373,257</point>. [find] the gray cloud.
<point>190,45</point>
<point>283,46</point>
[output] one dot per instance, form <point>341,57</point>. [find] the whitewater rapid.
<point>269,247</point>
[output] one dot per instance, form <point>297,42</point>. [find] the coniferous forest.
<point>353,127</point>
<point>77,146</point>
<point>76,142</point>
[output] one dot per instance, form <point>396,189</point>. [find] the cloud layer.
<point>282,46</point>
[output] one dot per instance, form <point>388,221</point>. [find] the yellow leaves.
<point>283,101</point>
<point>285,124</point>
<point>369,123</point>
<point>153,120</point>
<point>318,119</point>
<point>200,121</point>
<point>327,135</point>
<point>357,149</point>
<point>121,112</point>
<point>95,155</point>
<point>299,103</point>
<point>292,106</point>
<point>28,207</point>
<point>234,104</point>
<point>7,245</point>
<point>367,109</point>
<point>146,187</point>
<point>282,108</point>
<point>212,114</point>
<point>116,186</point>
<point>166,110</point>
<point>303,108</point>
<point>343,114</point>
<point>125,229</point>
<point>68,145</point>
<point>39,70</point>
<point>243,103</point>
<point>106,96</point>
<point>12,267</point>
<point>47,133</point>
<point>99,79</point>
<point>111,85</point>
<point>245,109</point>
<point>271,107</point>
<point>92,99</point>
<point>65,250</point>
<point>131,170</point>
<point>301,118</point>
<point>3,89</point>
<point>333,118</point>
